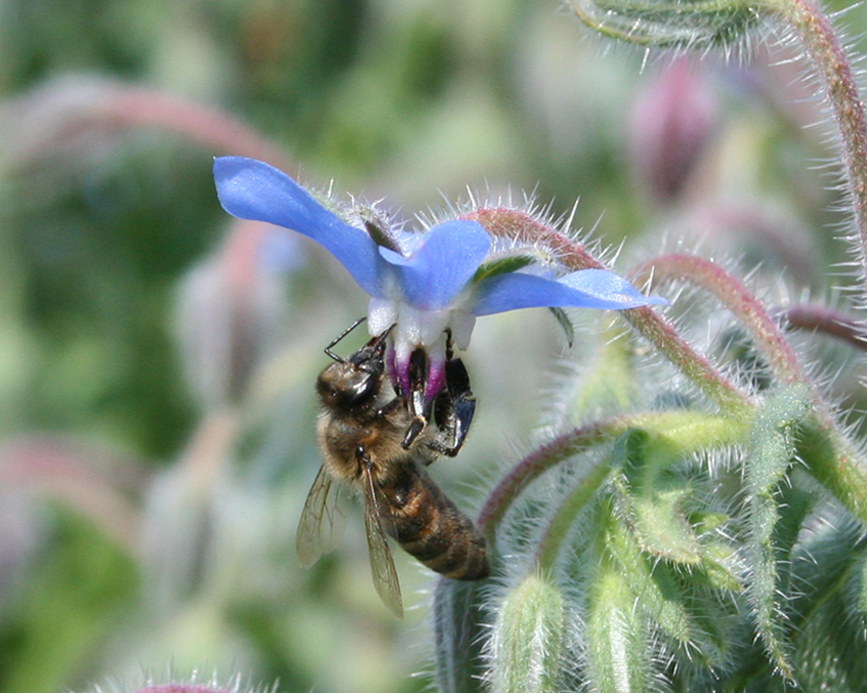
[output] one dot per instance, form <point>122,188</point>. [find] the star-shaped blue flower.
<point>426,286</point>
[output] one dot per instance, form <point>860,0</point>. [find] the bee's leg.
<point>362,458</point>
<point>415,398</point>
<point>454,408</point>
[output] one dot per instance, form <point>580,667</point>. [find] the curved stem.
<point>558,529</point>
<point>835,72</point>
<point>78,107</point>
<point>130,106</point>
<point>539,461</point>
<point>734,296</point>
<point>832,459</point>
<point>828,321</point>
<point>517,225</point>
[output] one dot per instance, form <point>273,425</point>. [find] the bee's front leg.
<point>454,408</point>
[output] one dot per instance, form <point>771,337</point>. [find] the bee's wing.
<point>322,520</point>
<point>381,562</point>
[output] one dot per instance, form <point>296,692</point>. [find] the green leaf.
<point>695,24</point>
<point>830,645</point>
<point>705,522</point>
<point>504,265</point>
<point>772,451</point>
<point>653,592</point>
<point>528,637</point>
<point>715,570</point>
<point>862,589</point>
<point>663,528</point>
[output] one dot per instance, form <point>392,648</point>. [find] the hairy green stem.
<point>772,452</point>
<point>834,461</point>
<point>674,435</point>
<point>558,529</point>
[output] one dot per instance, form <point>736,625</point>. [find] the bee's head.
<point>356,382</point>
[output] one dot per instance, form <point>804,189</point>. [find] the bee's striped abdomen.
<point>429,526</point>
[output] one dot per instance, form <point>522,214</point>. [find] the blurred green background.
<point>156,404</point>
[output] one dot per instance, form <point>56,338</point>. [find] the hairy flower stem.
<point>835,72</point>
<point>771,451</point>
<point>736,297</point>
<point>835,462</point>
<point>539,461</point>
<point>518,225</point>
<point>833,323</point>
<point>558,529</point>
<point>684,432</point>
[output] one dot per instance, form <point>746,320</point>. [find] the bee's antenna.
<point>341,336</point>
<point>384,335</point>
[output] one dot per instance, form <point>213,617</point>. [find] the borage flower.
<point>429,287</point>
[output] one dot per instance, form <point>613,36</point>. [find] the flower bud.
<point>528,637</point>
<point>672,120</point>
<point>617,636</point>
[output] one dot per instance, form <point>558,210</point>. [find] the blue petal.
<point>252,189</point>
<point>592,288</point>
<point>440,268</point>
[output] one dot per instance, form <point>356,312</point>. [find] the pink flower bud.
<point>672,121</point>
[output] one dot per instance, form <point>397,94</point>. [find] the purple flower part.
<point>436,380</point>
<point>391,369</point>
<point>590,288</point>
<point>252,189</point>
<point>442,265</point>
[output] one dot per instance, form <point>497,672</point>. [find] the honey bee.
<point>362,431</point>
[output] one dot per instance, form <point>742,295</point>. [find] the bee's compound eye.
<point>363,388</point>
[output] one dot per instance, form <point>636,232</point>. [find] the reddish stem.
<point>517,225</point>
<point>536,463</point>
<point>128,106</point>
<point>734,296</point>
<point>834,70</point>
<point>832,322</point>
